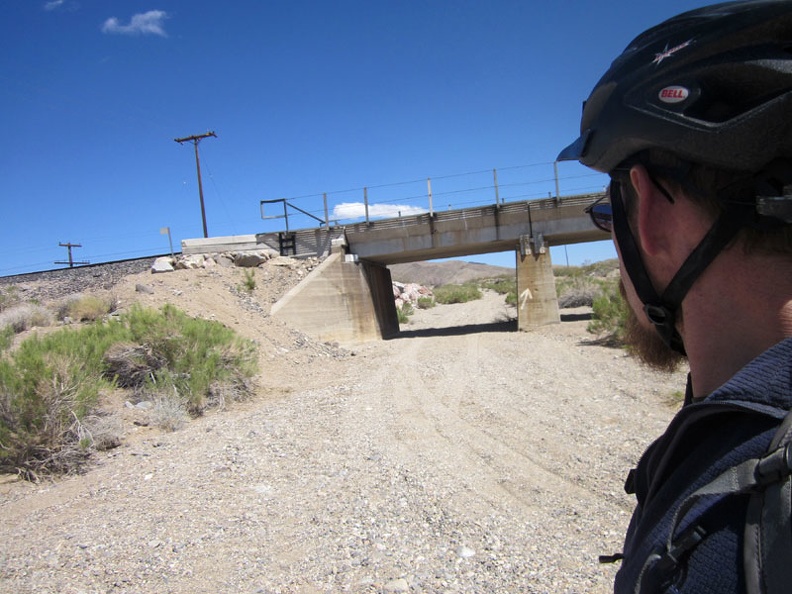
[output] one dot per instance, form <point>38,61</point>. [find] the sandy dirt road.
<point>460,457</point>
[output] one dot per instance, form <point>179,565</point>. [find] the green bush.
<point>501,285</point>
<point>609,312</point>
<point>196,352</point>
<point>426,302</point>
<point>447,294</point>
<point>50,386</point>
<point>6,337</point>
<point>249,283</point>
<point>85,308</point>
<point>404,312</point>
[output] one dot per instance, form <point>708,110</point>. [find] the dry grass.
<point>86,308</point>
<point>24,316</point>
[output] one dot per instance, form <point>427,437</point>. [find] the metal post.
<point>166,231</point>
<point>327,216</point>
<point>429,187</point>
<point>195,139</point>
<point>365,203</point>
<point>495,179</point>
<point>555,168</point>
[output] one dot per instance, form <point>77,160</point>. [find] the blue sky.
<point>306,98</point>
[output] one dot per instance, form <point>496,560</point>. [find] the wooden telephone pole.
<point>195,139</point>
<point>68,245</point>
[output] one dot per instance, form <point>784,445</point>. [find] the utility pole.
<point>195,139</point>
<point>68,245</point>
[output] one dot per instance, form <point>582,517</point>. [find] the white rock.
<point>164,264</point>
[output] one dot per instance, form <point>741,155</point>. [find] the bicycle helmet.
<point>712,86</point>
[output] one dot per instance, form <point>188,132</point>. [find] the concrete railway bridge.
<point>349,296</point>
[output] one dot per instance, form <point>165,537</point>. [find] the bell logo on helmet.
<point>673,94</point>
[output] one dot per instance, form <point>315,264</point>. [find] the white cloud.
<point>147,23</point>
<point>357,210</point>
<point>61,6</point>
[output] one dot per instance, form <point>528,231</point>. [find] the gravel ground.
<point>460,457</point>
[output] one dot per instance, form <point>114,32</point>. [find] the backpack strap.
<point>767,554</point>
<point>768,544</point>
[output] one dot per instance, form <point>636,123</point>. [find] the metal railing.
<point>435,196</point>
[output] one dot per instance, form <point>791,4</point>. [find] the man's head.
<point>696,114</point>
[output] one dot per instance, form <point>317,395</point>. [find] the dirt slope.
<point>460,457</point>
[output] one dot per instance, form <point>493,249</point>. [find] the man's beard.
<point>645,343</point>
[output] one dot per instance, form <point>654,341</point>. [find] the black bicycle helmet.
<point>713,85</point>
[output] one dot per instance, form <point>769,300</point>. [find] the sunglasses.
<point>601,212</point>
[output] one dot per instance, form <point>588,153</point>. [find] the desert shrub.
<point>609,312</point>
<point>578,291</point>
<point>25,316</point>
<point>404,312</point>
<point>50,386</point>
<point>6,338</point>
<point>249,284</point>
<point>425,302</point>
<point>46,391</point>
<point>104,430</point>
<point>447,294</point>
<point>130,364</point>
<point>9,297</point>
<point>196,353</point>
<point>86,308</point>
<point>168,412</point>
<point>501,285</point>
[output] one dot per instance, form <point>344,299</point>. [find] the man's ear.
<point>654,213</point>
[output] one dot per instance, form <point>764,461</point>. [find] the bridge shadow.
<point>576,317</point>
<point>499,326</point>
<point>504,326</point>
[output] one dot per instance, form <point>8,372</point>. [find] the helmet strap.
<point>661,310</point>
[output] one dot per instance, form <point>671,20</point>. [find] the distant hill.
<point>453,272</point>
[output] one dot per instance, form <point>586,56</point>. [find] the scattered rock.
<point>144,289</point>
<point>162,265</point>
<point>410,293</point>
<point>191,262</point>
<point>250,259</point>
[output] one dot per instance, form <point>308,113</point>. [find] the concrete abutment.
<point>342,300</point>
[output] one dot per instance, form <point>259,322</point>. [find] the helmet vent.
<point>731,90</point>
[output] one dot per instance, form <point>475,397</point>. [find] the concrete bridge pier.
<point>537,303</point>
<point>343,300</point>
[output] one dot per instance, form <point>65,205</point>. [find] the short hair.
<point>708,187</point>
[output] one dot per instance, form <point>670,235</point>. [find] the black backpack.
<point>767,548</point>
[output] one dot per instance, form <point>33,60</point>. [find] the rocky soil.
<point>460,457</point>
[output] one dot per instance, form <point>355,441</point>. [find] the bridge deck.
<point>442,234</point>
